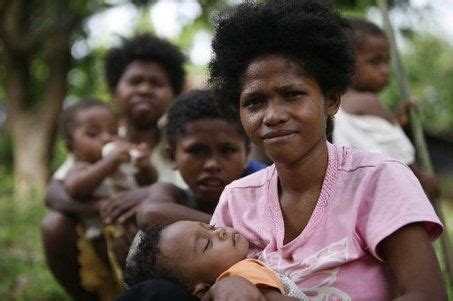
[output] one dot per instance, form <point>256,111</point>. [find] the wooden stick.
<point>417,132</point>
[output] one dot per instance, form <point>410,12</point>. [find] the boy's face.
<point>372,69</point>
<point>284,111</point>
<point>143,93</point>
<point>210,154</point>
<point>201,252</point>
<point>95,127</point>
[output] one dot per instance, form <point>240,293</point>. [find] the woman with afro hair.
<point>343,224</point>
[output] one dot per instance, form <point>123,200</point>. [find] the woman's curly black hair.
<point>311,34</point>
<point>193,106</point>
<point>146,48</point>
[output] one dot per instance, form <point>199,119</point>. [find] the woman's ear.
<point>333,104</point>
<point>200,289</point>
<point>171,155</point>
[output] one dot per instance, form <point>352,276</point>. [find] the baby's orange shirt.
<point>256,272</point>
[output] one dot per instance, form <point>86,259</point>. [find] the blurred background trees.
<point>51,56</point>
<point>48,58</point>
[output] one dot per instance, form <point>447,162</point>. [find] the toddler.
<point>88,127</point>
<point>196,255</point>
<point>362,122</point>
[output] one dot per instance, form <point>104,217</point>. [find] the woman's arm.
<point>146,175</point>
<point>58,199</point>
<point>412,261</point>
<point>167,213</point>
<point>161,207</point>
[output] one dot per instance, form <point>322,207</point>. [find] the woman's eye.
<point>136,80</point>
<point>293,94</point>
<point>212,227</point>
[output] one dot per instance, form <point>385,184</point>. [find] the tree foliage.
<point>429,67</point>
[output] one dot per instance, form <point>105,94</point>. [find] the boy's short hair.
<point>307,32</point>
<point>148,48</point>
<point>141,262</point>
<point>361,28</point>
<point>193,106</point>
<point>68,118</point>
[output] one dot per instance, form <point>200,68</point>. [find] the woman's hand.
<point>123,205</point>
<point>233,288</point>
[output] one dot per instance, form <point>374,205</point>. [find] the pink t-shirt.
<point>365,197</point>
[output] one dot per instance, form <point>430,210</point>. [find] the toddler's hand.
<point>402,112</point>
<point>120,152</point>
<point>143,156</point>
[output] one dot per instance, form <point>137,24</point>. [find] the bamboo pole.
<point>417,132</point>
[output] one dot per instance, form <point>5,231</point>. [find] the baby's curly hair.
<point>142,261</point>
<point>311,34</point>
<point>193,106</point>
<point>146,48</point>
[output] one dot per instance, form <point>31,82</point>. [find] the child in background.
<point>209,149</point>
<point>214,253</point>
<point>343,224</point>
<point>87,128</point>
<point>362,122</point>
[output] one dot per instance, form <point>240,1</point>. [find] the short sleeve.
<point>393,198</point>
<point>255,272</point>
<point>222,214</point>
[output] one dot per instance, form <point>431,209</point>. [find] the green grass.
<point>23,271</point>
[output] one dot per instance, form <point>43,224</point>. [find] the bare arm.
<point>365,103</point>
<point>58,199</point>
<point>161,207</point>
<point>146,175</point>
<point>413,263</point>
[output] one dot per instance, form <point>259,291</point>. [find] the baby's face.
<point>199,251</point>
<point>95,127</point>
<point>372,64</point>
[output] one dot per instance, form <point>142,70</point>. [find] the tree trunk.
<point>30,147</point>
<point>33,104</point>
